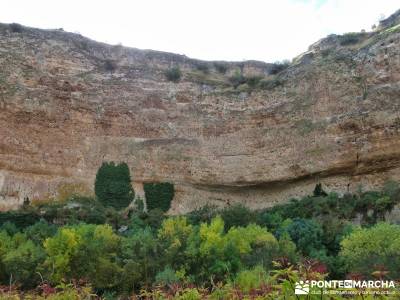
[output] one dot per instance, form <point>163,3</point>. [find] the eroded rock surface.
<point>68,103</point>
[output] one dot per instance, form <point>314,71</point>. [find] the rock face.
<point>68,103</point>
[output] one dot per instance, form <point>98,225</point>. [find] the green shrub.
<point>173,74</point>
<point>350,38</point>
<point>270,220</point>
<point>166,277</point>
<point>334,231</point>
<point>142,220</point>
<point>269,84</point>
<point>154,218</point>
<point>22,262</point>
<point>189,294</point>
<point>221,67</point>
<point>203,214</point>
<point>236,215</point>
<point>9,227</point>
<point>371,249</point>
<point>84,251</point>
<point>326,52</point>
<point>74,210</point>
<point>63,292</point>
<point>225,254</point>
<point>287,249</point>
<point>6,246</point>
<point>237,79</point>
<point>141,257</point>
<point>202,66</point>
<point>15,27</point>
<point>344,207</point>
<point>392,189</point>
<point>256,245</point>
<point>279,66</point>
<point>173,236</point>
<point>40,231</point>
<point>248,280</point>
<point>113,185</point>
<point>382,205</point>
<point>159,195</point>
<point>367,200</point>
<point>306,234</point>
<point>253,81</point>
<point>19,218</point>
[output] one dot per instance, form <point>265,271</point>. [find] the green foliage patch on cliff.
<point>159,195</point>
<point>351,38</point>
<point>173,74</point>
<point>113,185</point>
<point>221,67</point>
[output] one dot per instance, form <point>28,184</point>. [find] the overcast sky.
<point>267,30</point>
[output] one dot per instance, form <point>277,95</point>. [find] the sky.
<point>266,30</point>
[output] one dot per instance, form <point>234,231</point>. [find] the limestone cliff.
<point>68,103</point>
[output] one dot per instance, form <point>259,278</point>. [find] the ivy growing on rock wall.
<point>113,185</point>
<point>159,195</point>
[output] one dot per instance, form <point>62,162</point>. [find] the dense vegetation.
<point>68,250</point>
<point>113,185</point>
<point>173,74</point>
<point>159,195</point>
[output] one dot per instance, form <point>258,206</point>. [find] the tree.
<point>236,215</point>
<point>5,247</point>
<point>22,262</point>
<point>287,249</point>
<point>319,191</point>
<point>307,235</point>
<point>270,220</point>
<point>84,251</point>
<point>159,195</point>
<point>141,258</point>
<point>113,185</point>
<point>212,251</point>
<point>166,277</point>
<point>255,245</point>
<point>204,214</point>
<point>368,249</point>
<point>61,250</point>
<point>173,235</point>
<point>40,231</point>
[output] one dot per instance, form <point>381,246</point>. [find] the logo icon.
<point>302,288</point>
<point>348,284</point>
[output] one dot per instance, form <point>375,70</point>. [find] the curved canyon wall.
<point>68,103</point>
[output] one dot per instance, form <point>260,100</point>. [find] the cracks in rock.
<point>357,159</point>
